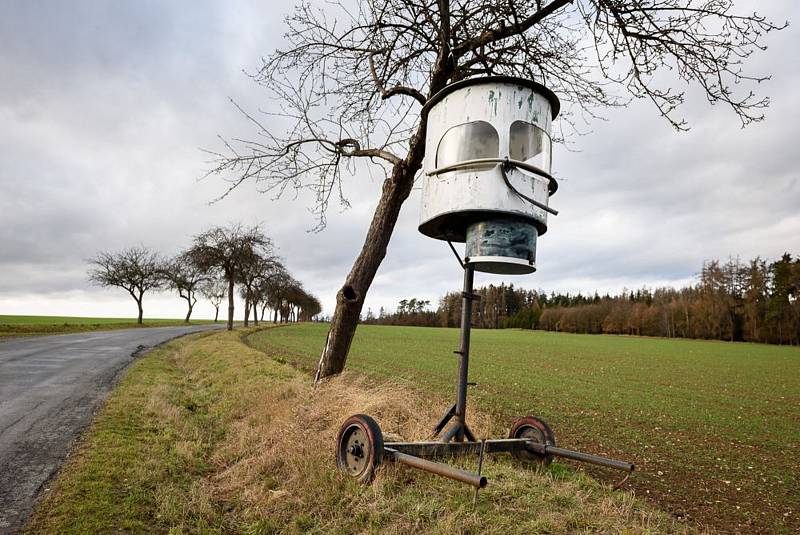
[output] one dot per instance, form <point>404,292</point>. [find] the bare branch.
<point>396,90</point>
<point>491,35</point>
<point>336,80</point>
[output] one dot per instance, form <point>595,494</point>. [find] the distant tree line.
<point>217,262</point>
<point>409,312</point>
<point>756,301</point>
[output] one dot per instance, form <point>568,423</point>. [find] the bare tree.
<point>136,270</point>
<point>269,289</point>
<point>258,267</point>
<point>214,288</point>
<point>183,275</point>
<point>289,299</point>
<point>228,249</point>
<point>261,282</point>
<point>281,291</point>
<point>308,306</point>
<point>354,85</point>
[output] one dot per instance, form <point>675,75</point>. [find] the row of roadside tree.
<point>217,263</point>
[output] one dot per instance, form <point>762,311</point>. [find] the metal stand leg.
<point>460,430</point>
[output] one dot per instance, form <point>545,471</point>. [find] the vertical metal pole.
<point>463,368</point>
<point>480,468</point>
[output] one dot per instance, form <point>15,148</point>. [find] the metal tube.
<point>450,433</point>
<point>580,456</point>
<point>443,422</point>
<point>463,367</point>
<point>589,458</point>
<point>440,469</point>
<point>480,469</point>
<point>552,184</point>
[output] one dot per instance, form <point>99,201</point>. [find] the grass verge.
<point>207,435</point>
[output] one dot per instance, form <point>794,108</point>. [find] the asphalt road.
<point>50,387</point>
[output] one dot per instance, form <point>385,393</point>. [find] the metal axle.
<point>441,469</point>
<point>545,449</point>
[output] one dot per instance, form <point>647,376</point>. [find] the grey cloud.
<point>104,106</point>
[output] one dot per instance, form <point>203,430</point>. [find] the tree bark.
<point>396,189</point>
<point>230,301</point>
<point>216,313</point>
<point>350,298</point>
<point>141,311</point>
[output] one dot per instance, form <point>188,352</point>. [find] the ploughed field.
<point>713,427</point>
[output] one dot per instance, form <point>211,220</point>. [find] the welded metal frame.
<point>459,439</point>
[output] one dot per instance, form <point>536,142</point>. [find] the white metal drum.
<point>477,130</point>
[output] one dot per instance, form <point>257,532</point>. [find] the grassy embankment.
<point>208,435</point>
<point>713,427</point>
<point>12,326</point>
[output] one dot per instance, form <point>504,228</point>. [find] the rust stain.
<point>493,100</point>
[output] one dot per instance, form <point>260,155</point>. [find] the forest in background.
<point>755,301</point>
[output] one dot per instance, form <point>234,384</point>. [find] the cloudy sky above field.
<point>105,105</point>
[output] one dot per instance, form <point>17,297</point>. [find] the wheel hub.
<point>357,449</point>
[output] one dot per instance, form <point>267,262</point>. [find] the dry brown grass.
<point>241,443</point>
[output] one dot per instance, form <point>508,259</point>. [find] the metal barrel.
<point>441,469</point>
<point>580,456</point>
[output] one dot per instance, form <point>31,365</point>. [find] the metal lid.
<point>555,104</point>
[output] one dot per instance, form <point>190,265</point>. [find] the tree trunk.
<point>246,312</point>
<point>141,311</point>
<point>216,313</point>
<point>188,313</point>
<point>230,302</point>
<point>350,298</point>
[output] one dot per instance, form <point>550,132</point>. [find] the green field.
<point>42,325</point>
<point>713,427</point>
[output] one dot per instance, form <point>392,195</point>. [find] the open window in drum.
<point>468,141</point>
<point>530,144</point>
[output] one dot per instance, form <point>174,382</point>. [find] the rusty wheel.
<point>359,447</point>
<point>538,431</point>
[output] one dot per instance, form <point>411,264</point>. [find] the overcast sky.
<point>105,105</point>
